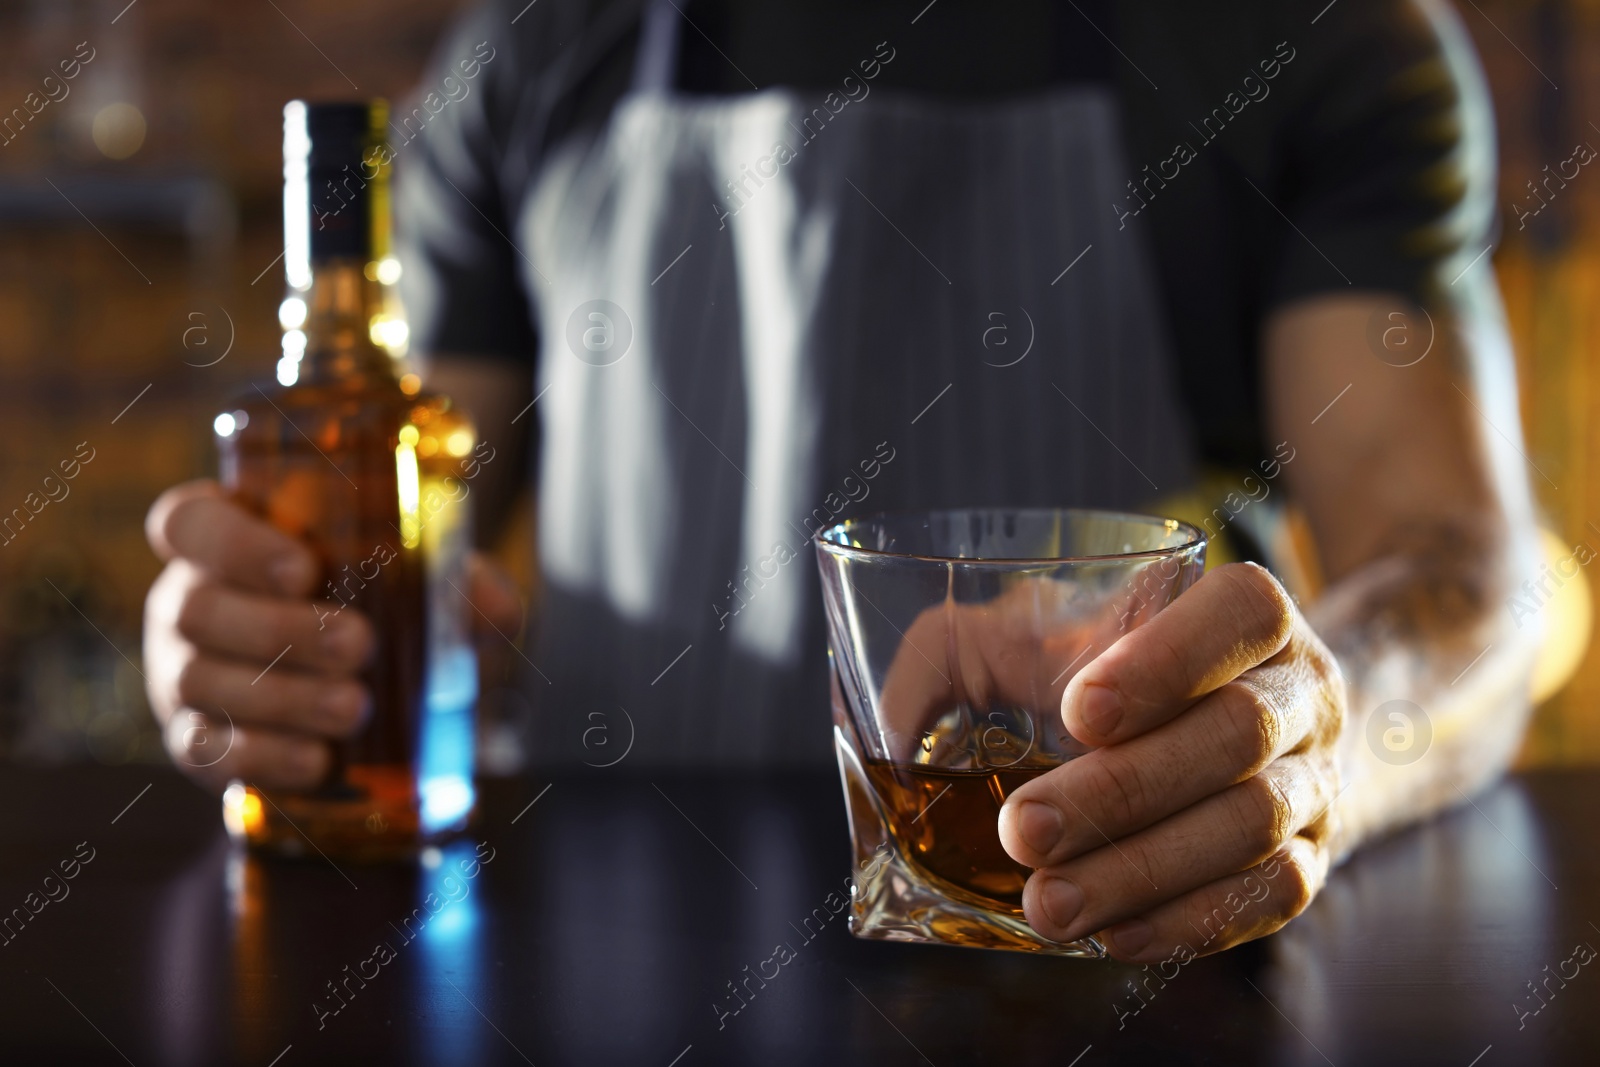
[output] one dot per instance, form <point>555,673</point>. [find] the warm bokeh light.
<point>1570,620</point>
<point>118,130</point>
<point>409,484</point>
<point>390,333</point>
<point>292,313</point>
<point>294,350</point>
<point>241,809</point>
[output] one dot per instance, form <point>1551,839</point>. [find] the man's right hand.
<point>244,679</point>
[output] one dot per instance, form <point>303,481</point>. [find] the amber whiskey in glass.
<point>952,636</point>
<point>346,454</point>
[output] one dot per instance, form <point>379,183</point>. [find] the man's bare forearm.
<point>1418,499</point>
<point>1424,623</point>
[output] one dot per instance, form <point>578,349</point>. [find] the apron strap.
<point>656,66</point>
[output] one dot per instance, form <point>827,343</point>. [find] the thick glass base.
<point>376,818</point>
<point>893,899</point>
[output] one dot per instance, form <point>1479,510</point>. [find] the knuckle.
<point>196,611</point>
<point>174,737</point>
<point>181,733</point>
<point>158,520</point>
<point>1322,659</point>
<point>170,510</point>
<point>1256,721</point>
<point>190,682</point>
<point>1293,885</point>
<point>162,602</point>
<point>1264,818</point>
<point>1319,659</point>
<point>184,739</point>
<point>1329,673</point>
<point>1121,790</point>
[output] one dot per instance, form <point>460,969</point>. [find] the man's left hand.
<point>1204,817</point>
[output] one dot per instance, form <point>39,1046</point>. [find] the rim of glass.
<point>1194,536</point>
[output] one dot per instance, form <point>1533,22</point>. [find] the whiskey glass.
<point>952,635</point>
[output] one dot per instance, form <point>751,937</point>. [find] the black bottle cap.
<point>332,148</point>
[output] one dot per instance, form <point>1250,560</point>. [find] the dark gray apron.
<point>924,304</point>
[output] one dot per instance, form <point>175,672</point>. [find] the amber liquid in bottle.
<point>368,476</point>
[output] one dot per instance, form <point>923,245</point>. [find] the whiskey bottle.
<point>347,454</point>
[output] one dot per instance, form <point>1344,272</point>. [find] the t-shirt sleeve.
<point>462,277</point>
<point>1390,163</point>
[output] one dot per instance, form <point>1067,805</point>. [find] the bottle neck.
<point>339,312</point>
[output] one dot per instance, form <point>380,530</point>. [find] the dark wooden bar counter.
<point>609,922</point>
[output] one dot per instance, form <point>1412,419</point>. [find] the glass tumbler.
<point>952,635</point>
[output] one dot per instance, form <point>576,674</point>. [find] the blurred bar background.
<point>140,230</point>
<point>140,225</point>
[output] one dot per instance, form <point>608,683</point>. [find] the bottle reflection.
<point>252,964</point>
<point>441,942</point>
<point>414,940</point>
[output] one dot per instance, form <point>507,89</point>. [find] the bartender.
<point>707,264</point>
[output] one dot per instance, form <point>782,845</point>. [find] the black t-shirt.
<point>1278,150</point>
<point>1214,162</point>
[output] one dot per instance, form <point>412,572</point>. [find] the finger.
<point>1234,618</point>
<point>1229,832</point>
<point>282,699</point>
<point>495,596</point>
<point>1018,649</point>
<point>917,687</point>
<point>324,637</point>
<point>213,752</point>
<point>1228,912</point>
<point>936,669</point>
<point>1226,738</point>
<point>197,522</point>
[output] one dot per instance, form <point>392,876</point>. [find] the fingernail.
<point>1061,901</point>
<point>343,642</point>
<point>290,574</point>
<point>344,706</point>
<point>1100,708</point>
<point>1040,825</point>
<point>1129,938</point>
